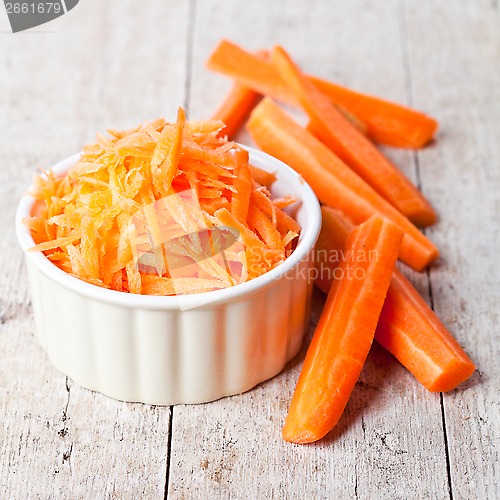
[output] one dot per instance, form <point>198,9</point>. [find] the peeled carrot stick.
<point>328,124</point>
<point>387,122</point>
<point>408,328</point>
<point>238,104</point>
<point>335,184</point>
<point>345,331</point>
<point>235,108</point>
<point>352,118</point>
<point>242,97</point>
<point>249,70</point>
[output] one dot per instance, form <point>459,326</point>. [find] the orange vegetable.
<point>236,107</point>
<point>240,200</point>
<point>250,71</point>
<point>261,176</point>
<point>265,228</point>
<point>408,328</point>
<point>328,124</point>
<point>387,122</point>
<point>258,254</point>
<point>139,212</point>
<point>281,219</point>
<point>335,184</point>
<point>345,331</point>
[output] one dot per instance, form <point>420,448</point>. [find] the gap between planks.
<point>405,50</point>
<point>187,97</point>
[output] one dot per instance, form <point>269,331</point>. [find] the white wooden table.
<point>116,63</point>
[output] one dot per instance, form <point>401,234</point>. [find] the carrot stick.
<point>387,122</point>
<point>243,184</point>
<point>264,203</point>
<point>235,108</point>
<point>242,97</point>
<point>345,331</point>
<point>351,118</point>
<point>252,72</point>
<point>335,184</point>
<point>328,125</point>
<point>258,256</point>
<point>238,103</point>
<point>408,328</point>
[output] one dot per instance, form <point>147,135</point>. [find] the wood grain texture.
<point>58,440</point>
<point>114,64</point>
<point>456,74</point>
<point>390,441</point>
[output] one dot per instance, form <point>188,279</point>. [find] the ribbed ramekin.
<point>178,349</point>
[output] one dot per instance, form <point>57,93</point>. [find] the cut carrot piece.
<point>358,124</point>
<point>249,70</point>
<point>284,222</point>
<point>411,331</point>
<point>264,226</point>
<point>167,155</point>
<point>328,124</point>
<point>284,202</point>
<point>345,331</point>
<point>335,184</point>
<point>264,203</point>
<point>258,256</point>
<point>408,328</point>
<point>387,122</point>
<point>335,228</point>
<point>236,108</point>
<point>211,206</point>
<point>261,176</point>
<point>237,105</point>
<point>240,200</point>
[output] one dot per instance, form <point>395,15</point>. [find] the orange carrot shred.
<point>145,211</point>
<point>264,226</point>
<point>261,176</point>
<point>236,107</point>
<point>240,200</point>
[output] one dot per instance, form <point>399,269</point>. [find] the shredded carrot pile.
<point>162,209</point>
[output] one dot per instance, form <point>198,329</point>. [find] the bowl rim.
<point>308,237</point>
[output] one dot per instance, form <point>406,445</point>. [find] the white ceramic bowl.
<point>177,349</point>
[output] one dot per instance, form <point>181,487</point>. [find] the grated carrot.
<point>162,209</point>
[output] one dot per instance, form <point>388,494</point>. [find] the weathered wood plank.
<point>106,65</point>
<point>456,75</point>
<point>390,440</point>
